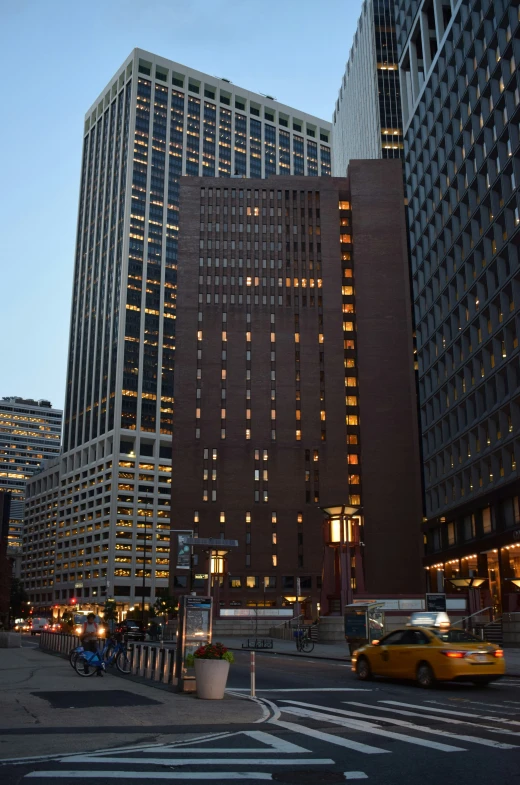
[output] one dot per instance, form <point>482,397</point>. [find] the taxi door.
<point>409,653</point>
<point>385,656</point>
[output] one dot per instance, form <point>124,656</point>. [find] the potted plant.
<point>211,663</point>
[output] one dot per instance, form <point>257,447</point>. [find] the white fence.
<point>154,663</point>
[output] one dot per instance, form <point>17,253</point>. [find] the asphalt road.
<point>323,726</point>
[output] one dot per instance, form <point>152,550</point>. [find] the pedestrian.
<point>89,639</point>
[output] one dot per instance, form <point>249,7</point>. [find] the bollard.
<point>143,659</point>
<point>159,664</point>
<point>167,664</point>
<point>253,675</point>
<point>150,662</point>
<point>135,660</point>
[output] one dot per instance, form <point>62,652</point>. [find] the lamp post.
<point>217,567</point>
<point>338,536</point>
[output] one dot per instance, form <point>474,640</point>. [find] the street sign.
<point>436,602</point>
<point>211,542</point>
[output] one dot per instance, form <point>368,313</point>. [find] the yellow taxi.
<point>428,655</point>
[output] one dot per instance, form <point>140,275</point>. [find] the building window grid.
<point>468,139</point>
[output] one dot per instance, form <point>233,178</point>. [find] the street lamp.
<point>339,535</point>
<point>468,583</point>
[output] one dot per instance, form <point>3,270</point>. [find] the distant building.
<point>5,561</point>
<point>41,548</point>
<point>294,383</point>
<point>30,433</point>
<point>367,120</point>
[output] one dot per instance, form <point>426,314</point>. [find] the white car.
<point>39,624</point>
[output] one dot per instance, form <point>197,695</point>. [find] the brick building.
<point>294,382</point>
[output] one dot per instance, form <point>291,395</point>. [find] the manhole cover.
<point>308,777</point>
<point>63,699</point>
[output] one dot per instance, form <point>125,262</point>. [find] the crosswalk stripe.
<point>369,727</point>
<point>155,775</point>
<point>199,761</point>
<point>450,711</point>
<point>423,728</point>
<point>339,741</point>
<point>447,720</point>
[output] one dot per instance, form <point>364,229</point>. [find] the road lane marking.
<point>156,775</point>
<point>198,761</point>
<point>447,720</point>
<point>355,775</point>
<point>339,741</point>
<point>308,689</point>
<point>369,727</point>
<point>273,744</point>
<point>451,711</point>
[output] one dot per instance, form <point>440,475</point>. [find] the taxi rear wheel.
<point>425,675</point>
<point>363,669</point>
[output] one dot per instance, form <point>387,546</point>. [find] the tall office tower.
<point>40,548</point>
<point>5,561</point>
<point>294,386</point>
<point>30,433</point>
<point>367,120</point>
<point>461,100</point>
<point>155,121</point>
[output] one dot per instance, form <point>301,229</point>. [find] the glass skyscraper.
<point>367,119</point>
<point>461,102</point>
<point>154,122</point>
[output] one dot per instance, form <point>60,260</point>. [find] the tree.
<point>165,605</point>
<point>19,599</point>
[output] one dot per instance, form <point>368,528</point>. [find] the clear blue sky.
<point>56,57</point>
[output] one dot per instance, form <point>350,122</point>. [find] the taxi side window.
<point>393,639</point>
<point>414,637</point>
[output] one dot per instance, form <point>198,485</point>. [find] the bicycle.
<point>113,652</point>
<point>303,642</point>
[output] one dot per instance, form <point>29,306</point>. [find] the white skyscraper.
<point>155,121</point>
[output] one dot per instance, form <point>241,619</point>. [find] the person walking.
<point>89,639</point>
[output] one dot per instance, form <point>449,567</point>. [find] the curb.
<point>290,654</point>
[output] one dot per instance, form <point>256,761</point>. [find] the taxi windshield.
<point>455,636</point>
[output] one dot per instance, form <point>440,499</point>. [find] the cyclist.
<point>89,639</point>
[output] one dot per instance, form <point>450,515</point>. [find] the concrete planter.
<point>211,677</point>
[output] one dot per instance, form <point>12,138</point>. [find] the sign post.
<point>194,630</point>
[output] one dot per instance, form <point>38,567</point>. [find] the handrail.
<point>288,621</point>
<point>495,621</point>
<point>477,613</point>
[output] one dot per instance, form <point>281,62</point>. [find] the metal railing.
<point>149,661</point>
<point>477,613</point>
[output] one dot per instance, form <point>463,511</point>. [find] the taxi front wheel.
<point>363,669</point>
<point>425,675</point>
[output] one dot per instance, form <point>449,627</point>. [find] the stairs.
<point>492,633</point>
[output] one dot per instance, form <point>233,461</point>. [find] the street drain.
<point>308,777</point>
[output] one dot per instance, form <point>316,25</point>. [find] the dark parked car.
<point>131,630</point>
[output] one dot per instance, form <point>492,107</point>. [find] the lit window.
<point>298,435</point>
<point>352,419</point>
<point>353,458</point>
<point>275,560</point>
<point>248,517</point>
<point>248,433</point>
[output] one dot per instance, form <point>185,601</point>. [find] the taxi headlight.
<point>101,631</point>
<point>79,630</point>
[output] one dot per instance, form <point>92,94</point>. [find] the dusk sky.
<point>57,56</point>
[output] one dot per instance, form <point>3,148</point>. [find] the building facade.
<point>461,102</point>
<point>155,121</point>
<point>30,433</point>
<point>5,561</point>
<point>367,120</point>
<point>41,547</point>
<point>294,389</point>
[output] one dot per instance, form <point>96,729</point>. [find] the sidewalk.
<point>47,708</point>
<point>339,651</point>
